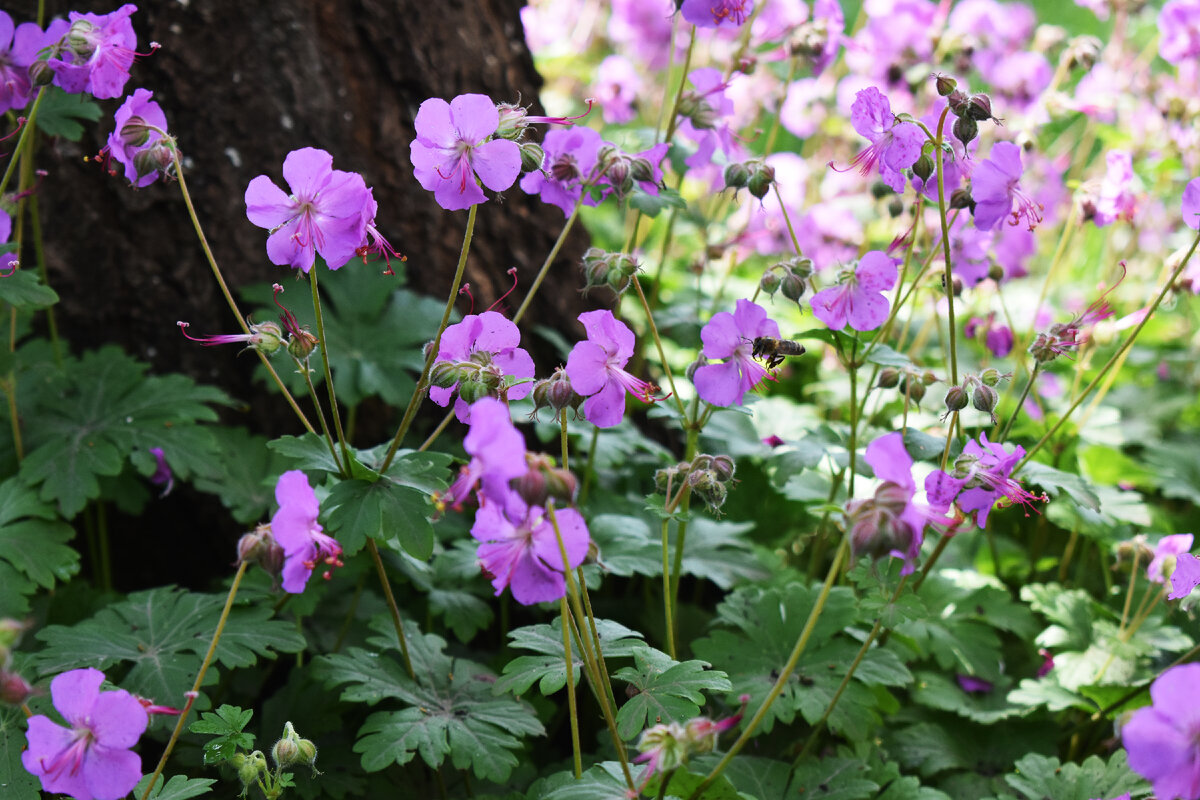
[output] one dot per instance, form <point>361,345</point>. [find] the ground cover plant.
<point>870,472</point>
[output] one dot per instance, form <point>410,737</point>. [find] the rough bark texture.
<point>243,84</point>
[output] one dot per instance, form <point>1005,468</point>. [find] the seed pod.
<point>956,399</point>
<point>945,84</point>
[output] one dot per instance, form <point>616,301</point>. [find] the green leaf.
<point>163,633</point>
<point>548,668</point>
<point>834,779</point>
<point>308,452</point>
<point>923,447</point>
<point>683,783</point>
<point>362,510</point>
<point>1039,776</point>
<point>32,539</point>
<point>228,725</point>
<point>652,204</point>
<point>99,410</point>
<point>1057,482</point>
<point>667,690</point>
<point>604,781</point>
<point>242,481</point>
<point>18,784</point>
<point>939,691</point>
<point>885,356</point>
<point>59,113</point>
<point>178,788</point>
<point>23,290</point>
<point>452,713</point>
<point>760,778</point>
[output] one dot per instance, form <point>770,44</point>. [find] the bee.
<point>773,351</point>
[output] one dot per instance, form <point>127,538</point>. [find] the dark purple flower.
<point>995,187</point>
<point>18,49</point>
<point>323,214</point>
<point>731,337</point>
<point>519,547</point>
<point>1186,576</point>
<point>488,341</point>
<point>858,299</point>
<point>972,685</point>
<point>296,530</point>
<point>596,369</point>
<point>139,124</point>
<point>570,161</point>
<point>982,475</point>
<point>497,453</point>
<point>1161,738</point>
<point>996,337</point>
<point>91,759</point>
<point>895,145</point>
<point>1179,30</point>
<point>711,13</point>
<point>162,472</point>
<point>1190,206</point>
<point>94,52</point>
<point>453,150</point>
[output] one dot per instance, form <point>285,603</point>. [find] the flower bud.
<point>895,207</point>
<point>666,744</point>
<point>961,198</point>
<point>14,690</point>
<point>928,378</point>
<point>11,631</point>
<point>945,84</point>
<point>958,103</point>
<point>445,374</point>
<point>760,180</point>
<point>965,129</point>
<point>979,108</point>
<point>880,190</point>
<point>287,750</point>
<point>724,467</point>
<point>308,754</point>
<point>996,273</point>
<point>512,122</point>
<point>912,389</point>
<point>473,387</point>
<point>769,283</point>
<point>556,392</point>
<point>259,547</point>
<point>135,132</point>
<point>923,167</point>
<point>990,377</point>
<point>984,399</point>
<point>690,372</point>
<point>1042,349</point>
<point>793,287</point>
<point>889,377</point>
<point>956,399</point>
<point>736,176</point>
<point>641,170</point>
<point>158,157</point>
<point>1083,52</point>
<point>249,767</point>
<point>532,156</point>
<point>79,38</point>
<point>302,344</point>
<point>41,73</point>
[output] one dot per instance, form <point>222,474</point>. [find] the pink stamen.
<point>512,273</point>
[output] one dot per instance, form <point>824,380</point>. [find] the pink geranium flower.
<point>1186,576</point>
<point>492,338</point>
<point>1168,547</point>
<point>454,147</point>
<point>596,369</point>
<point>519,547</point>
<point>297,531</point>
<point>497,453</point>
<point>323,214</point>
<point>858,300</point>
<point>1190,207</point>
<point>18,49</point>
<point>1161,738</point>
<point>996,189</point>
<point>895,145</point>
<point>139,123</point>
<point>91,759</point>
<point>711,13</point>
<point>982,475</point>
<point>731,337</point>
<point>93,52</point>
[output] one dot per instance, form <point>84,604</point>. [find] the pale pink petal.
<point>75,692</point>
<point>876,271</point>
<point>866,311</point>
<point>606,408</point>
<point>475,117</point>
<point>267,206</point>
<point>497,163</point>
<point>118,719</point>
<point>721,336</point>
<point>830,306</point>
<point>434,124</point>
<point>587,368</point>
<point>307,171</point>
<point>111,773</point>
<point>719,384</point>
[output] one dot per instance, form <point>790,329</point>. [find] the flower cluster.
<point>982,475</point>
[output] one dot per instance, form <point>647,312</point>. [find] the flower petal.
<point>475,117</point>
<point>75,692</point>
<point>497,163</point>
<point>719,384</point>
<point>111,773</point>
<point>118,719</point>
<point>606,408</point>
<point>307,171</point>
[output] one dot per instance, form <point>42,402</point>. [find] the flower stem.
<point>422,382</point>
<point>29,126</point>
<point>1116,357</point>
<point>397,623</point>
<point>786,219</point>
<point>570,667</point>
<point>216,271</point>
<point>333,404</point>
<point>587,470</point>
<point>662,356</point>
<point>668,615</point>
<point>1033,376</point>
<point>343,466</point>
<point>191,696</point>
<point>784,675</point>
<point>948,276</point>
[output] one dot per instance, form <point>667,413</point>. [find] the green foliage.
<point>33,547</point>
<point>61,114</point>
<point>161,636</point>
<point>98,411</point>
<point>24,291</point>
<point>227,724</point>
<point>666,690</point>
<point>548,668</point>
<point>18,784</point>
<point>178,787</point>
<point>1039,776</point>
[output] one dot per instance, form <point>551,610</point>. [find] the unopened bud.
<point>512,122</point>
<point>958,103</point>
<point>990,377</point>
<point>532,157</point>
<point>760,180</point>
<point>249,767</point>
<point>285,752</point>
<point>14,690</point>
<point>302,344</point>
<point>724,467</point>
<point>445,374</point>
<point>923,167</point>
<point>737,175</point>
<point>793,287</point>
<point>945,84</point>
<point>928,378</point>
<point>965,129</point>
<point>135,132</point>
<point>155,158</point>
<point>641,170</point>
<point>308,754</point>
<point>690,372</point>
<point>474,386</point>
<point>979,108</point>
<point>961,198</point>
<point>769,283</point>
<point>996,273</point>
<point>41,73</point>
<point>956,399</point>
<point>912,389</point>
<point>889,377</point>
<point>984,399</point>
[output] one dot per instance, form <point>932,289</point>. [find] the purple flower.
<point>487,341</point>
<point>297,531</point>
<point>995,187</point>
<point>857,300</point>
<point>162,472</point>
<point>895,145</point>
<point>891,522</point>
<point>519,547</point>
<point>596,369</point>
<point>323,214</point>
<point>997,338</point>
<point>91,759</point>
<point>497,453</point>
<point>18,49</point>
<point>139,124</point>
<point>972,685</point>
<point>981,477</point>
<point>711,13</point>
<point>1117,199</point>
<point>708,122</point>
<point>452,150</point>
<point>94,52</point>
<point>617,85</point>
<point>643,28</point>
<point>1179,30</point>
<point>1168,547</point>
<point>1161,739</point>
<point>828,13</point>
<point>731,337</point>
<point>1185,577</point>
<point>570,161</point>
<point>1190,206</point>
